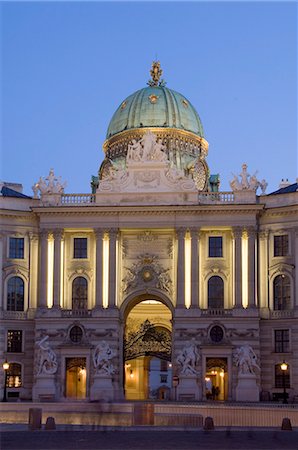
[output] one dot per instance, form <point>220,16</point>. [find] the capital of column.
<point>33,237</point>
<point>195,232</point>
<point>113,233</point>
<point>237,232</point>
<point>251,232</point>
<point>264,234</point>
<point>44,234</point>
<point>58,234</point>
<point>180,232</point>
<point>99,233</point>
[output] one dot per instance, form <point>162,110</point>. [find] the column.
<point>237,235</point>
<point>1,271</point>
<point>33,242</point>
<point>251,234</point>
<point>99,235</point>
<point>43,269</point>
<point>296,268</point>
<point>181,268</point>
<point>113,233</point>
<point>194,232</point>
<point>263,269</point>
<point>58,235</point>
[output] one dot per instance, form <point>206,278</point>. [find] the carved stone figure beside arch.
<point>102,359</point>
<point>246,360</point>
<point>46,362</point>
<point>188,358</point>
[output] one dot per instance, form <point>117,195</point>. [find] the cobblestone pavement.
<point>150,440</point>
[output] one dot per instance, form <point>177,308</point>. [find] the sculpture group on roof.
<point>247,181</point>
<point>49,185</point>
<point>148,148</point>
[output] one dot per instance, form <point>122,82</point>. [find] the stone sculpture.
<point>49,185</point>
<point>188,359</point>
<point>46,358</point>
<point>102,359</point>
<point>247,182</point>
<point>148,148</point>
<point>246,359</point>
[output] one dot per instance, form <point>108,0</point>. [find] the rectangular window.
<point>163,378</point>
<point>80,248</point>
<point>281,245</point>
<point>16,248</point>
<point>282,341</point>
<point>282,379</point>
<point>215,247</point>
<point>163,365</point>
<point>14,341</point>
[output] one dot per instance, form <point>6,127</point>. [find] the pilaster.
<point>237,236</point>
<point>43,268</point>
<point>181,268</point>
<point>251,234</point>
<point>58,236</point>
<point>195,301</point>
<point>99,235</point>
<point>113,233</point>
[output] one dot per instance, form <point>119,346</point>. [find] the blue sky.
<point>68,65</point>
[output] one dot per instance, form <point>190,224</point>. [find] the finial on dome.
<point>156,73</point>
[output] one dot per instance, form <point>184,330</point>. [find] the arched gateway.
<point>147,347</point>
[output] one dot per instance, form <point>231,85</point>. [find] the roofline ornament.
<point>156,73</point>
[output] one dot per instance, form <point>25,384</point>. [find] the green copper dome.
<point>155,106</point>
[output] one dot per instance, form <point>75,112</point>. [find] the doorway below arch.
<point>216,379</point>
<point>147,352</point>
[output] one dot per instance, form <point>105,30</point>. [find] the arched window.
<point>15,294</point>
<point>215,292</point>
<point>14,375</point>
<point>282,292</point>
<point>79,293</point>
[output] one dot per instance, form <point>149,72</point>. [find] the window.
<point>215,247</point>
<point>216,334</point>
<point>215,292</point>
<point>79,293</point>
<point>282,292</point>
<point>281,378</point>
<point>14,341</point>
<point>80,248</point>
<point>281,245</point>
<point>14,375</point>
<point>163,378</point>
<point>15,294</point>
<point>76,334</point>
<point>16,248</point>
<point>282,341</point>
<point>163,365</point>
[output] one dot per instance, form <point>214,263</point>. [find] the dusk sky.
<point>68,65</point>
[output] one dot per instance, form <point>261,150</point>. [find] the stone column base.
<point>247,389</point>
<point>188,388</point>
<point>102,388</point>
<point>44,389</point>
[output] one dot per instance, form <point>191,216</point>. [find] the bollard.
<point>34,418</point>
<point>50,424</point>
<point>208,424</point>
<point>286,424</point>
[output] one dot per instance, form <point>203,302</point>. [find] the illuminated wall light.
<point>244,271</point>
<point>62,273</point>
<point>187,255</point>
<point>131,375</point>
<point>50,280</point>
<point>221,374</point>
<point>105,272</point>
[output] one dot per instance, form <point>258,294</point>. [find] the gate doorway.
<point>216,379</point>
<point>76,378</point>
<point>147,352</point>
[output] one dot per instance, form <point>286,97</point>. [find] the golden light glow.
<point>187,292</point>
<point>244,271</point>
<point>50,272</point>
<point>105,272</point>
<point>131,374</point>
<point>5,365</point>
<point>207,378</point>
<point>61,272</point>
<point>221,374</point>
<point>284,366</point>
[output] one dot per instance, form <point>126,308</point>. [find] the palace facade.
<point>156,285</point>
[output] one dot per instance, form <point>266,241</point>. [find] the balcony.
<point>218,312</point>
<point>282,314</point>
<point>76,313</point>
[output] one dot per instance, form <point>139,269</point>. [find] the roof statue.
<point>49,187</point>
<point>156,73</point>
<point>247,182</point>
